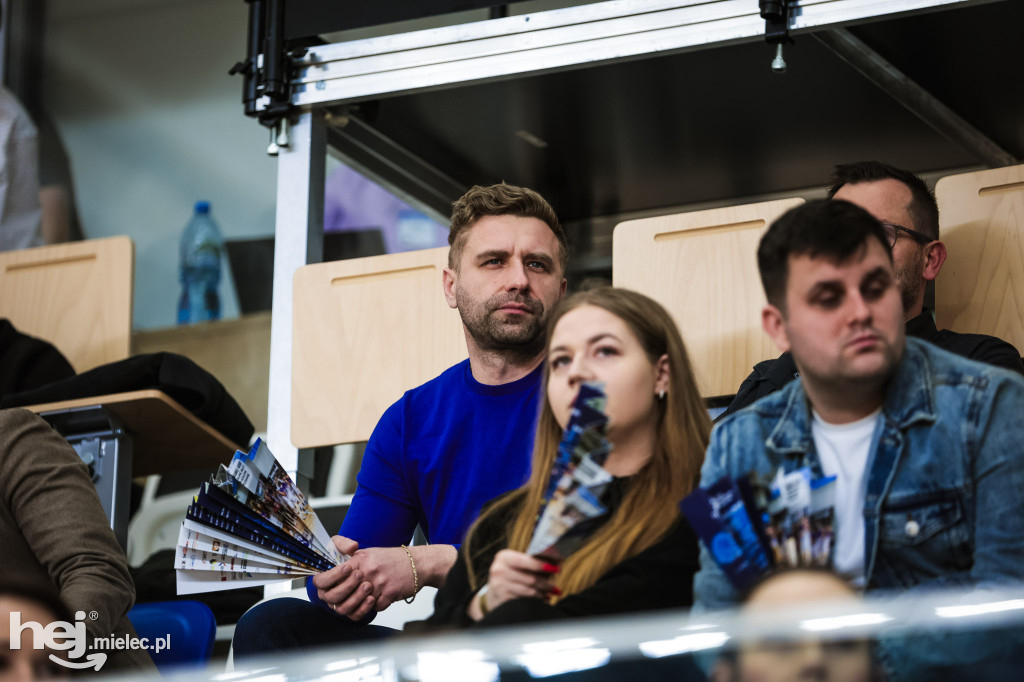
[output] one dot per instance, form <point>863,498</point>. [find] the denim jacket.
<point>945,491</point>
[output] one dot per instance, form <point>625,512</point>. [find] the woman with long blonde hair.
<point>644,555</point>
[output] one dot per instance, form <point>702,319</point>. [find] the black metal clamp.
<point>267,70</point>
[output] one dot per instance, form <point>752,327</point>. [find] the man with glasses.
<point>910,218</point>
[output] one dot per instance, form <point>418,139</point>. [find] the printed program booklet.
<point>250,525</point>
<point>750,526</point>
<point>573,504</point>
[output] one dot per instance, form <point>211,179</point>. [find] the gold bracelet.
<point>482,599</point>
<point>415,576</point>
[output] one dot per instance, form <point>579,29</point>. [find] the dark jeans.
<point>288,625</point>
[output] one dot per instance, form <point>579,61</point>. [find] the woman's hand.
<point>514,575</point>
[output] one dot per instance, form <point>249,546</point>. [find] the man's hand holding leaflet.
<point>250,525</point>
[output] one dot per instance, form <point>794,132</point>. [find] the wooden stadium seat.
<point>77,296</point>
<point>702,266</point>
<point>980,289</point>
<point>365,331</point>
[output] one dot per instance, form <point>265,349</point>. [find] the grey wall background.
<point>152,122</point>
<point>139,91</point>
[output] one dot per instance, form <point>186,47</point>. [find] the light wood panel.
<point>980,289</point>
<point>77,296</point>
<point>237,352</point>
<point>167,437</point>
<point>702,266</point>
<point>365,331</point>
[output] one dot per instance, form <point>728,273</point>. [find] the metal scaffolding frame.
<point>330,76</point>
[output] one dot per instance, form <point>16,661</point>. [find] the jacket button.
<point>912,529</point>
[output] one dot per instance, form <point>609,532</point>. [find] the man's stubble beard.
<point>524,340</point>
<point>911,284</point>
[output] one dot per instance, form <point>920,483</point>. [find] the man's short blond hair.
<point>500,199</point>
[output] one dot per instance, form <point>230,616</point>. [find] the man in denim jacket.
<point>926,446</point>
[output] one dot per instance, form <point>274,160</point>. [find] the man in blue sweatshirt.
<point>448,446</point>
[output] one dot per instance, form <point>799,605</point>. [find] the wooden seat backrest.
<point>365,331</point>
<point>980,288</point>
<point>77,296</point>
<point>702,266</point>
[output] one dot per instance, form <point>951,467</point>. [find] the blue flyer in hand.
<point>574,502</point>
<point>721,519</point>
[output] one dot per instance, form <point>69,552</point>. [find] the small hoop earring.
<point>661,395</point>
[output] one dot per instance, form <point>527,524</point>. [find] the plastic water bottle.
<point>201,249</point>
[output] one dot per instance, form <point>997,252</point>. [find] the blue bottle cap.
<point>202,207</point>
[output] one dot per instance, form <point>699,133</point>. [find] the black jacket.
<point>771,375</point>
<point>27,362</point>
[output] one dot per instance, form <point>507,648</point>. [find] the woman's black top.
<point>660,577</point>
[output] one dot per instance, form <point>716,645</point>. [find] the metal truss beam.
<point>384,161</point>
<point>919,101</point>
<point>575,37</point>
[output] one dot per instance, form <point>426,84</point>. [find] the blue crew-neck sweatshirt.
<point>439,453</point>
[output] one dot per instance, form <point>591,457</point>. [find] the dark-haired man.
<point>448,446</point>
<point>924,444</point>
<point>910,217</point>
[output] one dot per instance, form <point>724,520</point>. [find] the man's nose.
<point>813,661</point>
<point>860,311</point>
<point>517,277</point>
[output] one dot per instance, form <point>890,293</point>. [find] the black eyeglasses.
<point>892,232</point>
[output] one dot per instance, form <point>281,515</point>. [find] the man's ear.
<point>774,325</point>
<point>448,281</point>
<point>934,257</point>
<point>561,291</point>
